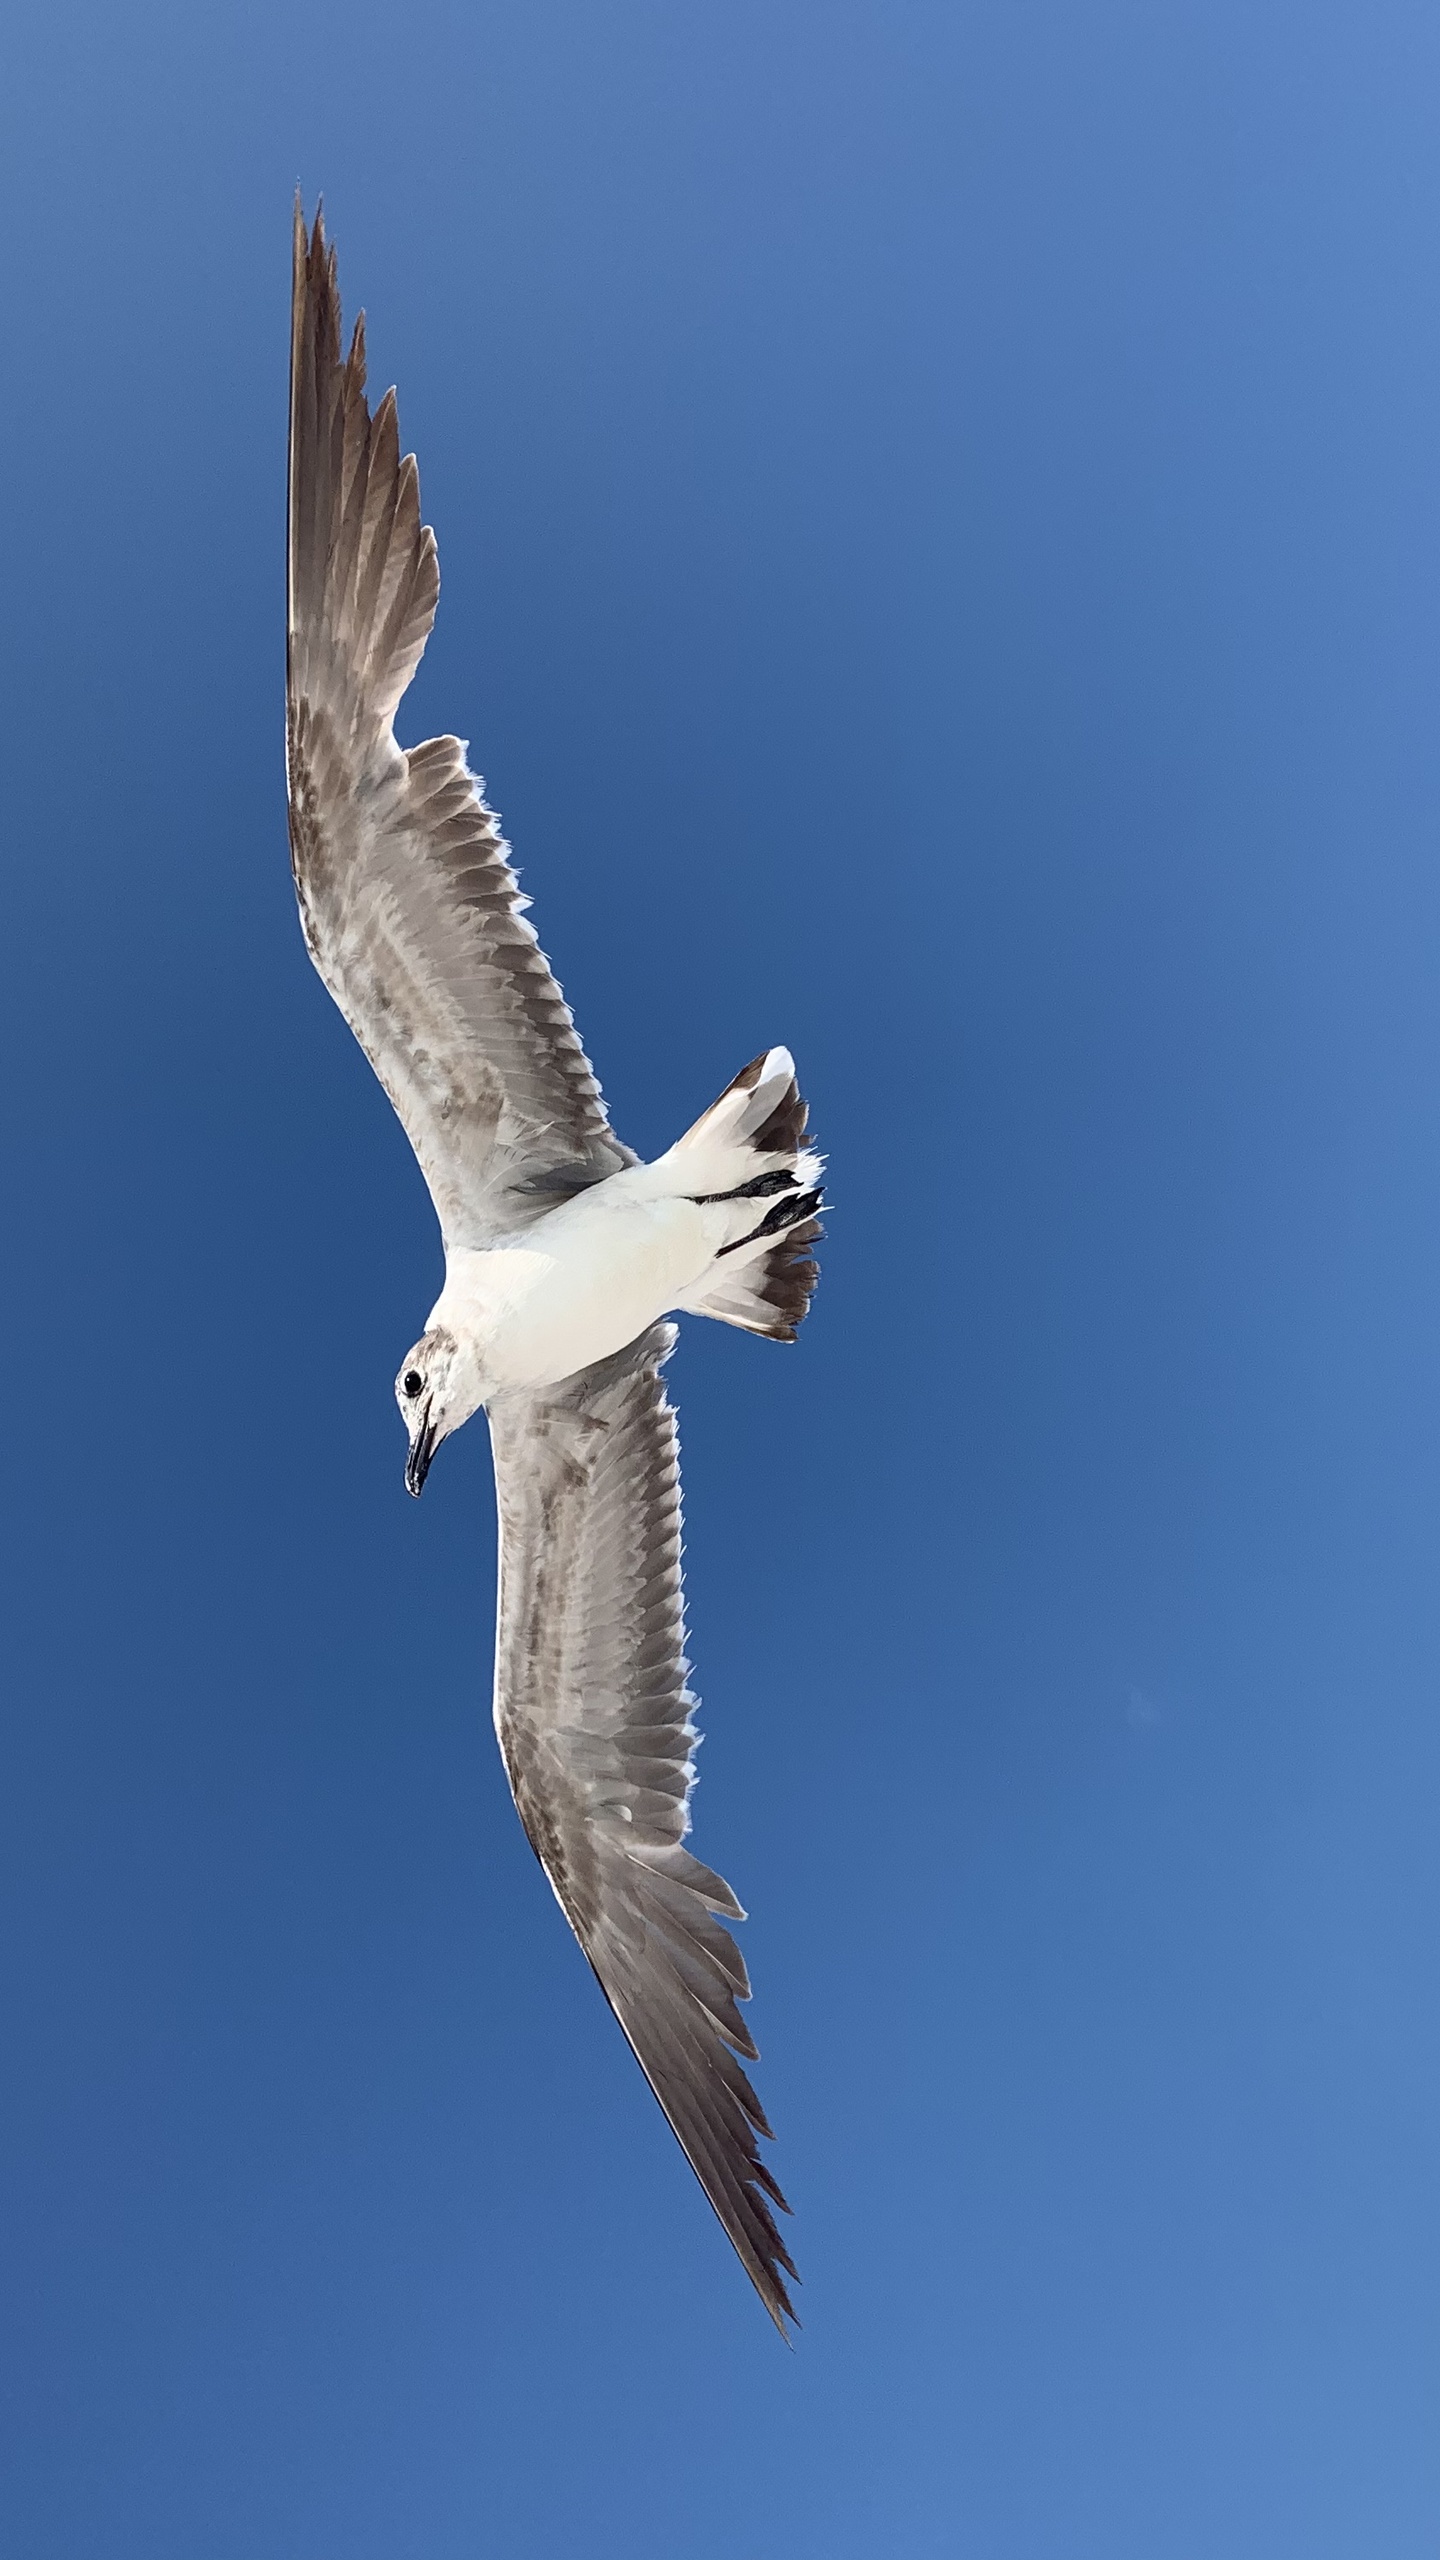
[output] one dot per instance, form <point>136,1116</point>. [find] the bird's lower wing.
<point>593,1716</point>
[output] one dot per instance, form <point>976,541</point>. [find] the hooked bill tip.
<point>422,1450</point>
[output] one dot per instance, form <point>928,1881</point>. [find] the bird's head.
<point>438,1388</point>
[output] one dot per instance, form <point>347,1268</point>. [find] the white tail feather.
<point>721,1150</point>
<point>748,1159</point>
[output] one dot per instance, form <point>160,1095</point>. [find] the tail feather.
<point>755,1129</point>
<point>770,1294</point>
<point>750,1154</point>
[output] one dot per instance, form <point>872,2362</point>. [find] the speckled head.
<point>439,1386</point>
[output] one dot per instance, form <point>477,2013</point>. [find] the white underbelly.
<point>583,1282</point>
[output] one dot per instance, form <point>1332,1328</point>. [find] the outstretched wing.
<point>592,1712</point>
<point>410,908</point>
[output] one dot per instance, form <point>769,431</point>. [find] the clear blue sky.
<point>938,513</point>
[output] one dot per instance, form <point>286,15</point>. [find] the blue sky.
<point>938,515</point>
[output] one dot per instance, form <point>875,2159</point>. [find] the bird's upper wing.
<point>592,1712</point>
<point>409,905</point>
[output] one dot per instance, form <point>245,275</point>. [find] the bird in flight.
<point>564,1255</point>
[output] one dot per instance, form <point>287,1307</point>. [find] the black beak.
<point>422,1450</point>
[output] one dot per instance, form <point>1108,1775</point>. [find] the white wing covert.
<point>410,908</point>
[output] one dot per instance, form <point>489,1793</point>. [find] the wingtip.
<point>309,238</point>
<point>308,242</point>
<point>782,2310</point>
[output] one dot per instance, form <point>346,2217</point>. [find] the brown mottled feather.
<point>593,1716</point>
<point>410,908</point>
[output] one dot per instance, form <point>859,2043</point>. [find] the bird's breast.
<point>585,1280</point>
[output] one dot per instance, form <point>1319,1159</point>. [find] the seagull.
<point>564,1257</point>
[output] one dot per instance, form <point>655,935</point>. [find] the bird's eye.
<point>412,1382</point>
